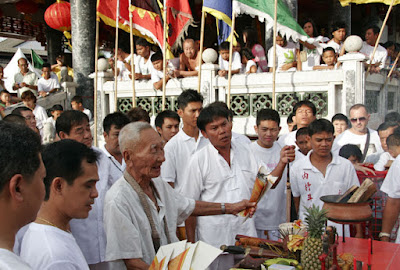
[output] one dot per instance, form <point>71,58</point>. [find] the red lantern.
<point>27,7</point>
<point>58,16</point>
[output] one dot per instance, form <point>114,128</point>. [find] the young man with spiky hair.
<point>320,173</point>
<point>21,187</point>
<point>167,124</point>
<point>271,208</point>
<point>70,183</point>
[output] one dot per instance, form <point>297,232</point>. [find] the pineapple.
<point>315,219</point>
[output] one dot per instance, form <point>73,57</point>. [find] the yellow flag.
<point>387,2</point>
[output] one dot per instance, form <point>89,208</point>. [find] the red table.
<point>385,255</point>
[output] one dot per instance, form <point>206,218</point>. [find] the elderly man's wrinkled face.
<point>23,65</point>
<point>147,157</point>
<point>189,49</point>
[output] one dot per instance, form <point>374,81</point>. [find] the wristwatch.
<point>223,209</point>
<point>383,234</point>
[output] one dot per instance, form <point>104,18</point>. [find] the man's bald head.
<point>189,48</point>
<point>23,65</point>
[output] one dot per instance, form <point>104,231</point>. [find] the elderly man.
<point>188,60</point>
<point>141,213</point>
<point>25,79</point>
<point>366,139</point>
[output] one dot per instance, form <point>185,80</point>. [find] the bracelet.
<point>223,209</point>
<point>383,234</point>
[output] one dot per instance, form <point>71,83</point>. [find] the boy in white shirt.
<point>271,208</point>
<point>70,182</point>
<point>338,37</point>
<point>48,83</point>
<point>143,63</point>
<point>330,59</point>
<point>77,105</point>
<point>157,74</point>
<point>223,60</point>
<point>385,159</point>
<point>286,55</point>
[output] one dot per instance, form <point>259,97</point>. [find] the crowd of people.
<point>69,205</point>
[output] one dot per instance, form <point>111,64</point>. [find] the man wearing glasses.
<point>365,138</point>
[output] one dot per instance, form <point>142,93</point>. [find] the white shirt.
<point>127,227</point>
<point>143,67</point>
<point>240,138</point>
<point>49,84</point>
<point>335,46</point>
<point>210,178</point>
<point>383,160</point>
<point>89,232</point>
<point>177,153</point>
<point>47,247</point>
<point>380,54</point>
<point>236,62</point>
<point>308,183</point>
<point>348,137</point>
<point>116,168</point>
<point>248,66</point>
<point>391,184</point>
<point>288,139</point>
<point>40,116</point>
<point>313,59</point>
<point>123,71</point>
<point>283,55</point>
<point>11,261</point>
<point>156,75</point>
<point>88,113</point>
<point>271,209</point>
<point>30,78</point>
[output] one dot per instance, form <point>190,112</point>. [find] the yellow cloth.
<point>387,2</point>
<point>57,71</point>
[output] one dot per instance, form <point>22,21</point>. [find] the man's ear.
<point>16,187</point>
<point>180,113</point>
<point>256,129</point>
<point>62,135</point>
<point>57,185</point>
<point>368,116</point>
<point>159,130</point>
<point>204,134</point>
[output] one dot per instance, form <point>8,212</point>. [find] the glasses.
<point>361,119</point>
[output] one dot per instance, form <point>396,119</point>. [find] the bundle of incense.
<point>263,182</point>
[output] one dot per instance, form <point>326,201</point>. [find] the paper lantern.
<point>58,16</point>
<point>27,7</point>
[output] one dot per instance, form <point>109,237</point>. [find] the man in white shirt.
<point>271,209</point>
<point>391,186</point>
<point>123,62</point>
<point>112,125</point>
<point>358,134</point>
<point>321,172</point>
<point>48,83</point>
<point>223,60</point>
<point>167,124</point>
<point>71,176</point>
<point>143,62</point>
<point>21,187</point>
<point>379,61</point>
<point>25,79</point>
<point>89,233</point>
<point>385,159</point>
<point>141,211</point>
<point>29,117</point>
<point>338,37</point>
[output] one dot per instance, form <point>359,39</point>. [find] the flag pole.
<point>132,61</point>
<point>228,102</point>
<point>164,56</point>
<point>390,72</point>
<point>274,58</point>
<point>96,70</point>
<point>379,36</point>
<point>116,59</point>
<point>203,15</point>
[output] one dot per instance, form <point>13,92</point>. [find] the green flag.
<point>265,9</point>
<point>37,61</point>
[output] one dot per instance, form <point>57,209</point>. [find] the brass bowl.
<point>346,212</point>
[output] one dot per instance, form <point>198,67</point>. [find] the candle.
<point>369,250</point>
<point>354,263</point>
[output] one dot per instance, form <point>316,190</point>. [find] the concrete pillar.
<point>343,14</point>
<point>54,39</point>
<point>208,73</point>
<point>83,19</point>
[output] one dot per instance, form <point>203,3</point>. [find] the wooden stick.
<point>379,36</point>
<point>116,59</point>
<point>228,102</point>
<point>164,57</point>
<point>96,55</point>
<point>201,48</point>
<point>132,61</point>
<point>288,196</point>
<point>274,57</point>
<point>390,72</point>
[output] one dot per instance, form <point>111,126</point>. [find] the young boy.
<point>223,60</point>
<point>302,142</point>
<point>329,57</point>
<point>157,71</point>
<point>338,37</point>
<point>271,208</point>
<point>385,159</point>
<point>143,62</point>
<point>29,100</point>
<point>286,55</point>
<point>320,173</point>
<point>5,101</point>
<point>48,83</point>
<point>77,105</point>
<point>340,123</point>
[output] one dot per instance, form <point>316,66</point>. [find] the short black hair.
<point>118,119</point>
<point>209,114</point>
<point>224,46</point>
<point>188,96</point>
<point>268,114</point>
<point>392,117</point>
<point>77,99</point>
<point>307,103</point>
<point>348,150</point>
<point>341,117</point>
<point>302,131</point>
<point>320,125</point>
<point>386,125</point>
<point>166,114</point>
<point>68,119</point>
<point>138,114</point>
<point>289,119</point>
<point>4,91</point>
<point>223,105</point>
<point>328,49</point>
<point>28,95</point>
<point>156,56</point>
<point>64,159</point>
<point>46,65</point>
<point>393,140</point>
<point>20,109</point>
<point>374,28</point>
<point>57,107</point>
<point>338,25</point>
<point>246,52</point>
<point>142,42</point>
<point>15,118</point>
<point>20,150</point>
